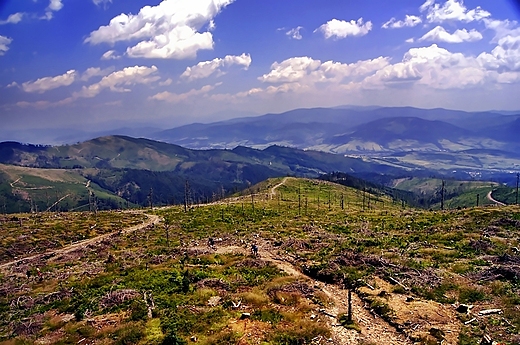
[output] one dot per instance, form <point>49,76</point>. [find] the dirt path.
<point>152,219</point>
<point>490,198</point>
<point>374,330</point>
<point>272,193</point>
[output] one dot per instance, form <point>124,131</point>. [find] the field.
<point>189,275</point>
<point>23,188</point>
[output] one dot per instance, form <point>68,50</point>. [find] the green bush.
<point>129,334</point>
<point>267,315</point>
<point>470,295</point>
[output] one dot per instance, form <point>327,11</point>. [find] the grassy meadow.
<point>192,277</point>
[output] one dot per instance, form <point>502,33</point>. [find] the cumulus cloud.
<point>409,21</point>
<point>309,71</point>
<point>119,81</point>
<point>13,18</point>
<point>439,34</point>
<point>54,6</point>
<point>206,68</point>
<point>177,98</point>
<point>340,29</point>
<point>169,30</point>
<point>506,55</point>
<point>437,68</point>
<point>502,28</point>
<point>295,33</point>
<point>4,44</point>
<point>49,83</point>
<point>452,10</point>
<point>95,72</point>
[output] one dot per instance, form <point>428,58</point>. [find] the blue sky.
<point>101,64</point>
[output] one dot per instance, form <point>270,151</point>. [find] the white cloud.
<point>54,6</point>
<point>4,44</point>
<point>295,33</point>
<point>177,98</point>
<point>13,18</point>
<point>110,55</point>
<point>95,72</point>
<point>167,82</point>
<point>169,30</point>
<point>452,10</point>
<point>506,55</point>
<point>422,71</point>
<point>206,68</point>
<point>99,2</point>
<point>502,28</point>
<point>49,83</point>
<point>409,21</point>
<point>117,81</point>
<point>439,34</point>
<point>438,68</point>
<point>305,70</point>
<point>340,29</point>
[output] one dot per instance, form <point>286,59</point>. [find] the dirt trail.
<point>272,193</point>
<point>152,219</point>
<point>374,330</point>
<point>490,198</point>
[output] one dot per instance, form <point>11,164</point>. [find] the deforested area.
<point>289,261</point>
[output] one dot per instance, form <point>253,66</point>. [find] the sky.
<point>102,64</point>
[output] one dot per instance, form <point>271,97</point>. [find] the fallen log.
<point>489,312</point>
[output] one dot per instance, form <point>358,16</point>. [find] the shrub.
<point>470,295</point>
<point>301,333</point>
<point>267,315</point>
<point>129,334</point>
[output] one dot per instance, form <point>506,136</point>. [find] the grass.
<point>447,257</point>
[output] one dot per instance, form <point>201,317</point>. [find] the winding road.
<point>490,198</point>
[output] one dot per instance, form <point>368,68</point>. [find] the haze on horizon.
<point>101,64</point>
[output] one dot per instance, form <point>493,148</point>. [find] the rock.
<point>464,308</point>
<point>214,301</point>
<point>437,333</point>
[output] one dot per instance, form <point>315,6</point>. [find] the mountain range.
<point>129,168</point>
<point>367,131</point>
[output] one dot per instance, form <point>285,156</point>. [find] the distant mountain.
<point>399,134</point>
<point>131,168</point>
<point>350,129</point>
<point>508,131</point>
